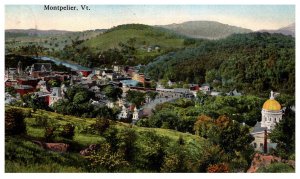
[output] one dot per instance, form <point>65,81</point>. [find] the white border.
<point>144,176</point>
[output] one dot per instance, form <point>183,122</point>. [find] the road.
<point>162,97</point>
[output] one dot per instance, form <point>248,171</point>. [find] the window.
<point>261,145</point>
<point>254,145</point>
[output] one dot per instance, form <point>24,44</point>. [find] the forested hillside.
<point>253,62</point>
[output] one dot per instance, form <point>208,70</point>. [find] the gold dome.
<point>272,105</point>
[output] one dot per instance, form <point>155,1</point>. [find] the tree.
<point>68,131</point>
<point>107,158</point>
<point>113,93</point>
<point>101,125</point>
<point>218,168</point>
<point>81,97</point>
<point>284,135</point>
<point>127,143</point>
<point>135,97</point>
<point>14,122</point>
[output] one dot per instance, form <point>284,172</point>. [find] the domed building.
<point>271,113</point>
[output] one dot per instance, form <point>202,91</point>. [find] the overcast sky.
<point>107,16</point>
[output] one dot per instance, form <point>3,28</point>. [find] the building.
<point>40,69</point>
<point>55,95</point>
<point>124,114</point>
<point>271,114</point>
<point>24,89</point>
<point>137,113</point>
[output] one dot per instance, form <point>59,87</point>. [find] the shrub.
<point>218,168</point>
<point>277,167</point>
<point>49,133</point>
<point>14,122</point>
<point>101,125</point>
<point>106,158</point>
<point>68,131</point>
<point>41,120</point>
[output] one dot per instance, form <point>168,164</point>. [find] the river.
<point>64,63</point>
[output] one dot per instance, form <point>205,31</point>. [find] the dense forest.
<point>252,63</point>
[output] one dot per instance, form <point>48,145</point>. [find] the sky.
<point>254,17</point>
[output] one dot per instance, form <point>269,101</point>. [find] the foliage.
<point>113,93</point>
<point>284,135</point>
<point>101,125</point>
<point>21,155</point>
<point>135,97</point>
<point>77,104</point>
<point>68,131</point>
<point>49,133</point>
<point>150,156</point>
<point>41,120</point>
<point>14,122</point>
<point>106,158</point>
<point>276,167</point>
<point>252,63</point>
<point>218,168</point>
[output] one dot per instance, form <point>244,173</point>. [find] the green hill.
<point>252,63</point>
<point>144,36</point>
<point>138,42</point>
<point>23,155</point>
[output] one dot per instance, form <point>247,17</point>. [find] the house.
<point>42,86</point>
<point>28,81</point>
<point>24,89</point>
<point>205,88</point>
<point>55,95</point>
<point>234,93</point>
<point>171,82</point>
<point>124,114</point>
<point>84,73</point>
<point>194,87</point>
<point>9,99</point>
<point>108,74</point>
<point>110,104</point>
<point>95,89</point>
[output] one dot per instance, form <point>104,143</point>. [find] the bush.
<point>218,168</point>
<point>14,122</point>
<point>106,158</point>
<point>41,120</point>
<point>68,131</point>
<point>101,125</point>
<point>49,133</point>
<point>276,168</point>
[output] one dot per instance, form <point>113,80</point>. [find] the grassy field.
<point>22,155</point>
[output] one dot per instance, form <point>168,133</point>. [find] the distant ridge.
<point>205,29</point>
<point>38,32</point>
<point>287,30</point>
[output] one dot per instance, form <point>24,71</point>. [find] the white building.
<point>124,114</point>
<point>55,95</point>
<point>271,114</point>
<point>136,115</point>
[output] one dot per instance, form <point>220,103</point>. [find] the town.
<point>186,97</point>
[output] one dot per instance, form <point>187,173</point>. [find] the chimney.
<point>266,142</point>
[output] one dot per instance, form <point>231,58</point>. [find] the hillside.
<point>144,36</point>
<point>288,30</point>
<point>22,154</point>
<point>205,29</point>
<point>255,63</point>
<point>50,40</point>
<point>129,44</point>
